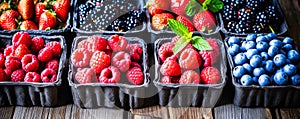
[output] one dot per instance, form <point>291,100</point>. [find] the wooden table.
<point>291,10</point>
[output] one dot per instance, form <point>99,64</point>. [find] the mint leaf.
<point>180,44</point>
<point>201,44</point>
<point>192,8</point>
<point>178,28</point>
<point>215,6</point>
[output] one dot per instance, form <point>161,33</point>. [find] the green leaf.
<point>201,44</point>
<point>178,28</point>
<point>192,8</point>
<point>180,44</point>
<point>272,30</point>
<point>213,5</point>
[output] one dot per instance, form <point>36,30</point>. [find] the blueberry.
<point>251,52</point>
<point>240,59</point>
<point>233,40</point>
<point>251,37</point>
<point>238,71</point>
<point>261,38</point>
<point>288,40</point>
<point>250,45</point>
<point>243,46</point>
<point>258,71</point>
<point>234,49</point>
<point>256,61</point>
<point>248,68</point>
<point>270,66</point>
<point>272,51</point>
<point>296,80</point>
<point>264,80</point>
<point>264,56</point>
<point>290,69</point>
<point>280,78</point>
<point>246,80</point>
<point>262,46</point>
<point>255,80</point>
<point>271,36</point>
<point>282,52</point>
<point>279,60</point>
<point>287,47</point>
<point>275,42</point>
<point>260,34</point>
<point>293,56</point>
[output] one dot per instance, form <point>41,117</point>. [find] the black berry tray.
<point>120,95</point>
<point>118,12</point>
<point>37,94</point>
<point>262,96</point>
<point>282,24</point>
<point>62,31</point>
<point>189,95</point>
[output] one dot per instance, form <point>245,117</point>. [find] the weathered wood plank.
<point>190,113</point>
<point>289,113</point>
<point>154,111</point>
<point>102,113</point>
<point>30,113</point>
<point>235,112</point>
<point>59,112</point>
<point>6,112</point>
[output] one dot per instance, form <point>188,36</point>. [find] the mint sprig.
<point>186,37</point>
<point>194,6</point>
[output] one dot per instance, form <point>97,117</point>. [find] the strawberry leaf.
<point>180,44</point>
<point>192,8</point>
<point>178,28</point>
<point>272,30</point>
<point>213,5</point>
<point>201,44</point>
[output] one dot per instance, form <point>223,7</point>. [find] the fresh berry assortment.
<point>110,15</point>
<point>196,15</point>
<point>107,60</point>
<point>34,15</point>
<point>264,60</point>
<point>251,16</point>
<point>24,61</point>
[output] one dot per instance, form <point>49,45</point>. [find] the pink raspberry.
<point>135,76</point>
<point>110,74</point>
<point>122,61</point>
<point>190,59</point>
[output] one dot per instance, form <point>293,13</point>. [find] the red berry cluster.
<point>30,59</point>
<point>189,66</point>
<point>105,61</point>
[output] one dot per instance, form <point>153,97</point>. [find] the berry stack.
<point>113,62</point>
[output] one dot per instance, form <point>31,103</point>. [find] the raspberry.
<point>21,51</point>
<point>81,57</point>
<point>37,44</point>
<point>86,75</point>
<point>190,59</point>
<point>48,75</point>
<point>12,63</point>
<point>135,76</point>
<point>32,77</point>
<point>169,80</point>
<point>30,63</point>
<point>45,54</point>
<point>165,51</point>
<point>84,44</point>
<point>9,51</point>
<point>8,72</point>
<point>98,43</point>
<point>210,75</point>
<point>135,51</point>
<point>55,47</point>
<point>99,61</point>
<point>53,64</point>
<point>21,38</point>
<point>110,74</point>
<point>210,56</point>
<point>117,43</point>
<point>122,61</point>
<point>170,67</point>
<point>3,76</point>
<point>190,77</point>
<point>18,75</point>
<point>2,60</point>
<point>176,38</point>
<point>135,64</point>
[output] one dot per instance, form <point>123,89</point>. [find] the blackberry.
<point>261,19</point>
<point>257,28</point>
<point>245,16</point>
<point>242,27</point>
<point>229,13</point>
<point>272,14</point>
<point>236,4</point>
<point>231,26</point>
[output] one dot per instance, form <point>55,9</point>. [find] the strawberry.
<point>186,22</point>
<point>61,8</point>
<point>47,20</point>
<point>4,6</point>
<point>26,8</point>
<point>159,4</point>
<point>160,21</point>
<point>178,6</point>
<point>8,20</point>
<point>39,9</point>
<point>204,21</point>
<point>153,10</point>
<point>28,25</point>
